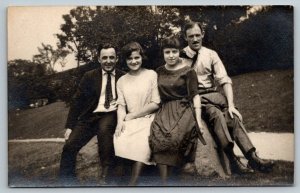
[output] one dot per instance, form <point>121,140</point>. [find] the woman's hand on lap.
<point>119,129</point>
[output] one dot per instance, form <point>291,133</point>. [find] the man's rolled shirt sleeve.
<point>220,73</point>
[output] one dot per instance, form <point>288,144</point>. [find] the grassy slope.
<point>265,99</point>
<point>258,95</point>
<point>43,122</point>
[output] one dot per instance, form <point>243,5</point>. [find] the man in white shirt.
<point>93,112</point>
<point>219,111</point>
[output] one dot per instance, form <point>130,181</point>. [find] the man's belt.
<point>206,90</point>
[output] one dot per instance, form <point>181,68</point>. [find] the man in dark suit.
<point>93,112</point>
<point>219,110</point>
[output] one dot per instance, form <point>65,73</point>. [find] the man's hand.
<point>232,110</point>
<point>119,129</point>
<point>67,133</point>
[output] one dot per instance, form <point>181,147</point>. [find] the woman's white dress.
<point>135,92</point>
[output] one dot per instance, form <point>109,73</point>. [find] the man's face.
<point>194,37</point>
<point>108,59</point>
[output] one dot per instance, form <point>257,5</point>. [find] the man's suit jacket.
<point>87,95</point>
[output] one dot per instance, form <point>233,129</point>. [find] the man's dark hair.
<point>190,25</point>
<point>105,46</point>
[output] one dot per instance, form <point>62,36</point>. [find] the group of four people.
<point>151,117</point>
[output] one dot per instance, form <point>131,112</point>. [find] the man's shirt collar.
<point>112,72</point>
<point>189,52</point>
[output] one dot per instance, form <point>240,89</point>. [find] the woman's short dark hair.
<point>127,50</point>
<point>170,42</point>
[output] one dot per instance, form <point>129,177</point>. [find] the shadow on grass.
<point>37,165</point>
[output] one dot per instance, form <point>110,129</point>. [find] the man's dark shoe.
<point>259,164</point>
<point>102,178</point>
<point>238,167</point>
<point>69,181</point>
<point>102,181</point>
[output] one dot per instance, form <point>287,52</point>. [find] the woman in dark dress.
<point>174,122</point>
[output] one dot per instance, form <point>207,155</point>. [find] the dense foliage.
<point>245,40</point>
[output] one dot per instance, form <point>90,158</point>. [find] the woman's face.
<point>134,61</point>
<point>171,55</point>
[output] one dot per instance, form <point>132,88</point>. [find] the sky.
<point>28,27</point>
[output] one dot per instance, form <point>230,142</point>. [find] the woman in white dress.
<point>138,99</point>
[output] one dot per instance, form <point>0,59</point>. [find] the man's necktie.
<point>195,59</point>
<point>108,91</point>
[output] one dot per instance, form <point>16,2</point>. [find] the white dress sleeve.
<point>154,89</point>
<point>121,99</point>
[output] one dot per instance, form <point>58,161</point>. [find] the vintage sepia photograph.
<point>156,96</point>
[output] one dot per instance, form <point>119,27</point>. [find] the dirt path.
<point>276,146</point>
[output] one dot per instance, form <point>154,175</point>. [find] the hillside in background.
<point>265,99</point>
